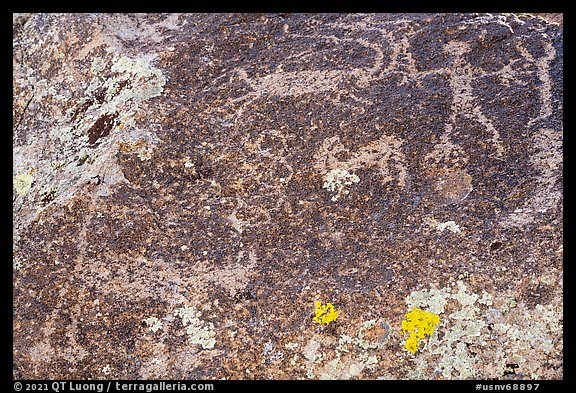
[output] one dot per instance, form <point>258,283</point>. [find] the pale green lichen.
<point>450,225</point>
<point>199,332</point>
<point>133,82</point>
<point>152,77</point>
<point>433,299</point>
<point>508,305</point>
<point>454,361</point>
<point>64,134</point>
<point>464,298</point>
<point>344,367</point>
<point>486,299</point>
<point>23,183</point>
<point>541,331</point>
<point>349,356</point>
<point>460,363</point>
<point>72,159</point>
<point>153,323</point>
<point>337,180</point>
<point>97,65</point>
<point>348,362</point>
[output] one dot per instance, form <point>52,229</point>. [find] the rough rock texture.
<point>187,186</point>
<point>553,18</point>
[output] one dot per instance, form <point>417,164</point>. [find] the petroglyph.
<point>547,144</point>
<point>461,75</point>
<point>547,159</point>
<point>389,57</point>
<point>297,83</point>
<point>384,154</point>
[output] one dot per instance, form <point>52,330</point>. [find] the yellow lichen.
<point>412,344</point>
<point>418,324</point>
<point>324,313</point>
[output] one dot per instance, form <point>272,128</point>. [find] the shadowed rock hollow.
<point>186,187</point>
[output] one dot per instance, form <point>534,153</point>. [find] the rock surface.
<point>186,187</point>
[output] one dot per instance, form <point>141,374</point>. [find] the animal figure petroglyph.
<point>392,57</point>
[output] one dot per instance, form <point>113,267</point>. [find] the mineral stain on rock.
<point>453,187</point>
<point>188,186</point>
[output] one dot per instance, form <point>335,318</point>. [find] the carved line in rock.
<point>377,154</point>
<point>461,75</point>
<point>547,144</point>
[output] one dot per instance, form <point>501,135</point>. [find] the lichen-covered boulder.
<point>287,196</point>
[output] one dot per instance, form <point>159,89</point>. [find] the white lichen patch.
<point>152,78</point>
<point>344,367</point>
<point>350,359</point>
<point>145,154</point>
<point>134,81</point>
<point>63,134</point>
<point>271,354</point>
<point>486,299</point>
<point>450,225</point>
<point>383,155</point>
<point>97,65</point>
<point>188,164</point>
<point>310,353</point>
<point>154,324</point>
<point>23,183</point>
<point>199,332</point>
<point>106,369</point>
<point>463,297</point>
<point>109,92</point>
<point>16,263</point>
<point>442,226</point>
<point>337,180</point>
